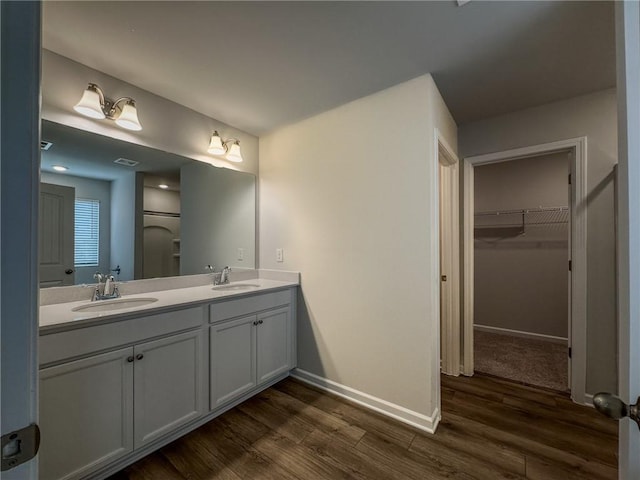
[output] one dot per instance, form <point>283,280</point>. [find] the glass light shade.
<point>234,155</point>
<point>128,118</point>
<point>215,146</point>
<point>89,104</point>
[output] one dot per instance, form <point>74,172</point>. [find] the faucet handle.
<point>98,276</point>
<point>211,268</point>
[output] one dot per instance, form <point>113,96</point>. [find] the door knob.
<point>611,406</point>
<point>69,271</point>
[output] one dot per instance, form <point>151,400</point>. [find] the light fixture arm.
<point>230,140</point>
<point>109,107</point>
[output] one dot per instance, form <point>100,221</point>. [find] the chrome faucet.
<point>221,277</point>
<point>106,288</point>
<point>224,276</point>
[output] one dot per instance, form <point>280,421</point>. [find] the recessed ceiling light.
<point>163,186</point>
<point>60,168</point>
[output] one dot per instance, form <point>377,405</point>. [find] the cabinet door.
<point>233,361</point>
<point>274,335</point>
<point>86,414</point>
<point>168,385</point>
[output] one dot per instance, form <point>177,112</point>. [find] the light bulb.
<point>215,146</point>
<point>89,105</point>
<point>234,155</point>
<point>128,118</point>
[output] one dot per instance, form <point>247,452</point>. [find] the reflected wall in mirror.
<point>108,211</point>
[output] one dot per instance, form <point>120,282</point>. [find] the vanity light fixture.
<point>60,168</point>
<point>229,148</point>
<point>94,104</point>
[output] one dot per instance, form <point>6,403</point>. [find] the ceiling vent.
<point>45,145</point>
<point>126,162</point>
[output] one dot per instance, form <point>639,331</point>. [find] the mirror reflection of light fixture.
<point>94,104</point>
<point>229,148</point>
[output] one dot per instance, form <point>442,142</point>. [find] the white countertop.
<point>61,316</point>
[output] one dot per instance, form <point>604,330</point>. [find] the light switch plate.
<point>240,254</point>
<point>279,255</point>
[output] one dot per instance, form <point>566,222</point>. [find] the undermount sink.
<point>237,286</point>
<point>108,305</point>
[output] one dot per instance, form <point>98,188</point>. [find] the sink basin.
<point>236,286</point>
<point>108,305</point>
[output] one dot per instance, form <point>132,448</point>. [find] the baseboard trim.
<point>588,400</point>
<point>418,420</point>
<point>520,333</point>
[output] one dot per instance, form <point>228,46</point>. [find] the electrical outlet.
<point>279,255</point>
<point>240,254</point>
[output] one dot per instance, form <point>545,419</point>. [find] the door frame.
<point>450,330</point>
<point>578,252</point>
<point>19,194</point>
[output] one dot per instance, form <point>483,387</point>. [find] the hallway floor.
<point>490,430</point>
<point>529,361</point>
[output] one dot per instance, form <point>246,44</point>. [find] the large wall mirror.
<point>137,212</point>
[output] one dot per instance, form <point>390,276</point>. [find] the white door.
<point>86,414</point>
<point>233,359</point>
<point>449,261</point>
<point>56,240</point>
<point>19,162</point>
<point>628,91</point>
<point>168,379</point>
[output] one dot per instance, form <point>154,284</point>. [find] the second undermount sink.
<point>108,305</point>
<point>236,286</point>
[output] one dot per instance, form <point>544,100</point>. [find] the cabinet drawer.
<point>247,305</point>
<point>83,341</point>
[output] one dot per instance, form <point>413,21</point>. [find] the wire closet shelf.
<point>484,222</point>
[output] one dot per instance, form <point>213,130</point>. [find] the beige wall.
<point>593,116</point>
<point>349,194</point>
<point>521,281</point>
<point>166,125</point>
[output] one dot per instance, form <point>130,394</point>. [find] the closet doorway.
<point>161,225</point>
<point>524,288</point>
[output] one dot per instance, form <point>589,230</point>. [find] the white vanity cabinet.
<point>102,407</point>
<point>86,414</point>
<point>168,385</point>
<point>114,389</point>
<point>251,342</point>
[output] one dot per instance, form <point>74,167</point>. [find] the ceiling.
<point>260,65</point>
<point>90,155</point>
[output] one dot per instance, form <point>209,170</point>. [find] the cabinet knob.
<point>130,359</point>
<point>140,356</point>
<point>255,323</point>
<point>260,322</point>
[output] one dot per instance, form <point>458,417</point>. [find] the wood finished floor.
<point>490,430</point>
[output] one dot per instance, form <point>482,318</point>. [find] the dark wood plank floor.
<point>490,430</point>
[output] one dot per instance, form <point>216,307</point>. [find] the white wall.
<point>351,196</point>
<point>166,125</point>
<point>90,188</point>
<point>158,200</point>
<point>593,116</point>
<point>521,281</point>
